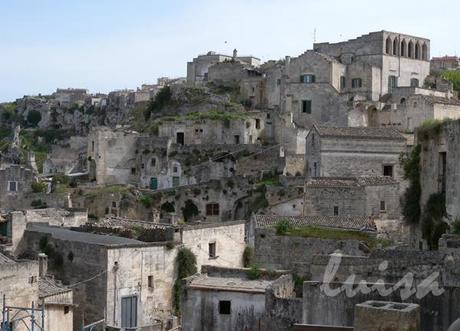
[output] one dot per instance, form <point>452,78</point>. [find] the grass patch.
<point>324,233</point>
<point>453,77</point>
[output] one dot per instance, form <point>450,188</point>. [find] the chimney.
<point>42,264</point>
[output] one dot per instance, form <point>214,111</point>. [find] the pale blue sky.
<point>105,45</point>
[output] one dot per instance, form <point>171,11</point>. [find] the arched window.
<point>403,101</point>
<point>410,49</point>
<point>417,51</point>
<point>414,82</point>
<point>424,52</point>
<point>395,46</point>
<point>402,50</point>
<point>388,46</point>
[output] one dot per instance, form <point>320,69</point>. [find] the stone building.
<point>220,299</point>
<point>14,223</point>
<point>70,96</point>
<point>68,158</point>
<point>410,107</point>
<point>15,182</point>
<point>354,152</point>
<point>19,285</point>
<point>440,64</point>
<point>379,61</point>
<point>197,69</point>
<point>310,90</point>
<point>360,196</point>
<point>57,300</point>
<point>249,129</point>
<point>111,156</point>
<point>132,280</point>
<point>439,166</point>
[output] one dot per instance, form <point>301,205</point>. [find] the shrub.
<point>253,273</point>
<point>248,256</point>
<point>146,201</point>
<point>411,197</point>
<point>186,267</point>
<point>39,187</point>
<point>282,227</point>
<point>169,245</point>
<point>162,98</point>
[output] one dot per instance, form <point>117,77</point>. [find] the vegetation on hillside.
<point>411,197</point>
<point>453,77</point>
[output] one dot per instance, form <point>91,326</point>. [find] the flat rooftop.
<point>85,237</point>
<point>230,284</point>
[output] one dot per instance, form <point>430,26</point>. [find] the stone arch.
<point>410,50</point>
<point>402,50</point>
<point>388,44</point>
<point>395,46</point>
<point>372,116</point>
<point>424,52</point>
<point>417,51</point>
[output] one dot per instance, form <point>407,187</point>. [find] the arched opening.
<point>402,50</point>
<point>410,49</point>
<point>417,51</point>
<point>402,101</point>
<point>395,47</point>
<point>388,46</point>
<point>372,116</point>
<point>425,52</point>
<point>414,82</point>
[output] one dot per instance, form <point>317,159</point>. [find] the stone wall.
<point>296,253</point>
<point>229,240</point>
<point>23,177</point>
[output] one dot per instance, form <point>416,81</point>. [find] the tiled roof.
<point>340,222</point>
<point>360,132</point>
<point>350,181</point>
<point>229,284</point>
<point>48,287</point>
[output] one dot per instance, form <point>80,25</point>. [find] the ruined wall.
<point>23,178</point>
<point>446,141</point>
<point>320,201</point>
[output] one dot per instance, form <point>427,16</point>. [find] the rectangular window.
<point>237,139</point>
<point>66,309</point>
<point>212,250</point>
<point>133,171</point>
<point>343,82</point>
<point>356,83</point>
<point>92,146</point>
<point>306,106</point>
<point>307,79</point>
<point>212,209</point>
<point>12,186</point>
<point>388,170</point>
<point>225,307</point>
<point>129,312</point>
<point>382,205</point>
<point>174,169</point>
<point>392,82</point>
<point>150,281</point>
<point>278,82</point>
<point>257,123</point>
<point>336,210</point>
<point>153,162</point>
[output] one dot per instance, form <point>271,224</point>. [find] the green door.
<point>153,183</point>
